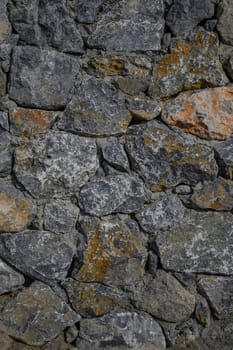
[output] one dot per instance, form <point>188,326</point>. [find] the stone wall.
<point>116,168</point>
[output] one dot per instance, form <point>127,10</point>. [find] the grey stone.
<point>4,121</point>
<point>202,242</point>
<point>41,78</point>
<point>162,213</point>
<point>55,163</point>
<point>41,255</point>
<point>96,109</point>
<point>184,15</point>
<point>2,83</point>
<point>113,152</point>
<point>210,24</point>
<point>229,67</point>
<point>152,263</point>
<point>6,152</point>
<point>183,189</point>
<point>144,109</point>
<point>5,26</point>
<point>219,293</point>
<point>202,312</point>
<point>36,315</point>
<point>225,156</point>
<point>9,278</point>
<point>131,85</point>
<point>6,50</point>
<point>165,159</point>
<point>123,329</point>
<point>60,216</point>
<point>225,24</point>
<point>45,23</point>
<point>112,194</point>
<point>134,26</point>
<point>163,297</point>
<point>85,11</point>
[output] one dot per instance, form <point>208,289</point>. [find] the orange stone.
<point>207,114</point>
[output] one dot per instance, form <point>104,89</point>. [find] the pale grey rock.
<point>96,108</point>
<point>41,255</point>
<point>121,330</point>
<point>144,109</point>
<point>6,152</point>
<point>219,293</point>
<point>36,315</point>
<point>183,189</point>
<point>5,26</point>
<point>112,194</point>
<point>4,121</point>
<point>184,15</point>
<point>165,211</point>
<point>114,153</point>
<point>55,163</point>
<point>41,78</point>
<point>9,278</point>
<point>163,297</point>
<point>45,23</point>
<point>85,11</point>
<point>225,24</point>
<point>130,26</point>
<point>201,243</point>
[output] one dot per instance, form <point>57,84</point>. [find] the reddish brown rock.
<point>207,114</point>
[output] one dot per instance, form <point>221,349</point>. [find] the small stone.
<point>229,68</point>
<point>5,153</point>
<point>131,86</point>
<point>162,213</point>
<point>96,109</point>
<point>218,291</point>
<point>60,216</point>
<point>207,114</point>
<point>113,152</point>
<point>41,78</point>
<point>152,263</point>
<point>124,27</point>
<point>225,157</point>
<point>36,315</point>
<point>183,189</point>
<point>58,343</point>
<point>123,329</point>
<point>4,122</point>
<point>41,255</point>
<point>3,82</point>
<point>202,312</point>
<point>201,243</point>
<point>71,334</point>
<point>225,26</point>
<point>107,65</point>
<point>115,253</point>
<point>163,297</point>
<point>210,24</point>
<point>9,278</point>
<point>184,15</point>
<point>112,194</point>
<point>5,26</point>
<point>85,11</point>
<point>142,109</point>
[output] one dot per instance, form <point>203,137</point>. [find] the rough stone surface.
<point>225,26</point>
<point>85,11</point>
<point>9,278</point>
<point>41,255</point>
<point>4,121</point>
<point>207,114</point>
<point>225,157</point>
<point>41,78</point>
<point>114,154</point>
<point>115,252</point>
<point>202,312</point>
<point>112,194</point>
<point>96,109</point>
<point>202,242</point>
<point>142,109</point>
<point>55,162</point>
<point>131,26</point>
<point>5,153</point>
<point>36,315</point>
<point>5,26</point>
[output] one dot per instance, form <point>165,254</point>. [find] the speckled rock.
<point>45,23</point>
<point>112,194</point>
<point>36,315</point>
<point>219,293</point>
<point>192,64</point>
<point>121,330</point>
<point>114,154</point>
<point>115,252</point>
<point>165,159</point>
<point>202,242</point>
<point>9,278</point>
<point>85,11</point>
<point>96,109</point>
<point>135,26</point>
<point>41,255</point>
<point>144,109</point>
<point>4,121</point>
<point>207,114</point>
<point>41,78</point>
<point>162,213</point>
<point>5,26</point>
<point>225,26</point>
<point>5,153</point>
<point>184,15</point>
<point>55,162</point>
<point>225,157</point>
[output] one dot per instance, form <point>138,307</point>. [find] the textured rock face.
<point>9,278</point>
<point>5,153</point>
<point>85,11</point>
<point>225,11</point>
<point>5,26</point>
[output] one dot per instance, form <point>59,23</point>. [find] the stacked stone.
<point>116,168</point>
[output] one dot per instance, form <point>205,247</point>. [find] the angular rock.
<point>162,213</point>
<point>142,109</point>
<point>9,278</point>
<point>202,312</point>
<point>41,255</point>
<point>45,23</point>
<point>6,51</point>
<point>184,15</point>
<point>55,162</point>
<point>201,243</point>
<point>85,11</point>
<point>58,343</point>
<point>130,27</point>
<point>131,86</point>
<point>93,299</point>
<point>113,152</point>
<point>112,194</point>
<point>225,25</point>
<point>165,159</point>
<point>219,293</point>
<point>60,216</point>
<point>207,114</point>
<point>5,26</point>
<point>107,65</point>
<point>41,78</point>
<point>36,315</point>
<point>129,330</point>
<point>115,252</point>
<point>152,263</point>
<point>2,83</point>
<point>5,153</point>
<point>96,109</point>
<point>229,67</point>
<point>4,122</point>
<point>27,122</point>
<point>192,64</point>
